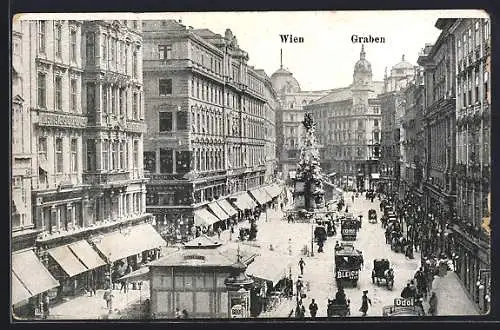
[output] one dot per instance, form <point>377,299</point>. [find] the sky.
<point>326,58</point>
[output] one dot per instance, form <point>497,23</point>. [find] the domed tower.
<point>283,80</point>
<point>362,70</point>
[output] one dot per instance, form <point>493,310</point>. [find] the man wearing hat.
<point>364,303</point>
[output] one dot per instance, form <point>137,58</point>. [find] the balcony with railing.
<point>58,181</point>
<point>96,178</point>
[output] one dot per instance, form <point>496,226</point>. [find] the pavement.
<point>290,239</point>
<point>94,307</point>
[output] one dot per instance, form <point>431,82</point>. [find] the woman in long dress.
<point>365,302</point>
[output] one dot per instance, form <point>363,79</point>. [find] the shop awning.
<point>375,175</point>
<point>244,202</point>
<point>67,260</point>
<point>86,254</point>
<point>141,274</point>
<point>260,196</point>
<point>18,202</point>
<point>32,273</point>
<point>202,217</point>
<point>219,212</point>
<point>273,190</point>
<point>224,204</point>
<point>19,291</point>
<point>130,241</point>
<point>270,268</point>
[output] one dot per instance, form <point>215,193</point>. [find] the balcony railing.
<point>105,178</point>
<point>58,181</point>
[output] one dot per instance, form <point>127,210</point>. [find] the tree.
<point>308,167</point>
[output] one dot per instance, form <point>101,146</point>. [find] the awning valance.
<point>260,196</point>
<point>218,211</point>
<point>86,254</point>
<point>141,274</point>
<point>67,260</point>
<point>224,204</point>
<point>130,241</point>
<point>270,268</point>
<point>32,273</point>
<point>19,291</point>
<point>244,202</point>
<point>202,217</point>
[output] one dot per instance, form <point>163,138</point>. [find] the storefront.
<point>129,246</point>
<point>204,221</point>
<point>77,267</point>
<point>244,204</point>
<point>220,214</point>
<point>30,280</point>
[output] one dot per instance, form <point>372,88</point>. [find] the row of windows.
<point>60,153</point>
<point>468,40</point>
<point>206,60</point>
<point>350,124</point>
<point>115,53</point>
<point>469,145</point>
<point>114,154</point>
<point>469,95</point>
<point>114,100</point>
<point>212,93</point>
<point>348,136</point>
<point>91,53</point>
<point>59,97</point>
<point>58,39</point>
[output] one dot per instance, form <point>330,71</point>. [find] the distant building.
<point>289,117</point>
<point>211,127</point>
<point>393,105</point>
<point>349,122</point>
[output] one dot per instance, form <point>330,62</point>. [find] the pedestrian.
<point>45,306</point>
<point>364,303</point>
<point>299,285</point>
<point>219,231</point>
<point>407,291</point>
<point>300,310</point>
<point>413,289</point>
<point>313,308</point>
<point>302,263</point>
<point>433,304</point>
<point>352,197</point>
<point>108,297</point>
<point>185,314</point>
<point>178,313</point>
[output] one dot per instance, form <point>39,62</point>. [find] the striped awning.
<point>129,241</point>
<point>218,211</point>
<point>202,217</point>
<point>224,204</point>
<point>67,260</point>
<point>87,255</point>
<point>273,190</point>
<point>260,196</point>
<point>32,274</point>
<point>244,202</point>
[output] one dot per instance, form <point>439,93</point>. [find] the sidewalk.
<point>86,307</point>
<point>452,298</point>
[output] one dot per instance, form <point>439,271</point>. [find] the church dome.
<point>362,65</point>
<point>403,64</point>
<point>283,81</point>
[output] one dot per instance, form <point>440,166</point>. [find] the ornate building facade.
<point>349,128</point>
<point>81,134</point>
<point>438,62</point>
<point>289,117</point>
<point>393,104</point>
<point>211,123</point>
<point>473,155</point>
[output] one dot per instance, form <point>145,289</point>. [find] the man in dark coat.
<point>313,308</point>
<point>407,292</point>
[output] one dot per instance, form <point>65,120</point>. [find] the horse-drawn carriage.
<point>348,263</point>
<point>372,216</point>
<point>398,241</point>
<point>383,271</point>
<point>249,234</point>
<point>349,228</point>
<point>338,309</point>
